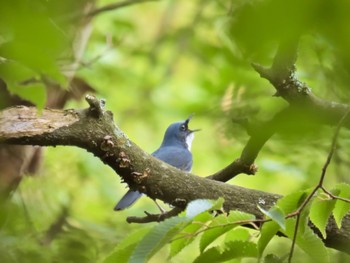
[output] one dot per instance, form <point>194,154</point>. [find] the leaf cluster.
<point>219,237</point>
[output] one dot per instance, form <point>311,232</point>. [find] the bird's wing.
<point>175,156</point>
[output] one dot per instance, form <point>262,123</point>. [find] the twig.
<point>334,196</point>
<point>109,46</point>
<point>318,186</point>
<point>251,222</point>
<point>155,217</point>
<point>96,105</point>
<point>115,6</point>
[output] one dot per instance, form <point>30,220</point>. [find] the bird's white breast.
<point>189,140</point>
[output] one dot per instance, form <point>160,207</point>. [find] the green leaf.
<point>230,250</point>
<point>319,213</point>
<point>238,248</point>
<point>268,231</point>
<point>276,214</point>
<point>13,73</point>
<point>185,237</point>
<point>217,227</point>
<point>272,258</point>
<point>309,242</point>
<point>291,202</point>
<point>304,219</point>
<point>196,210</point>
<point>124,249</point>
<point>341,208</point>
<point>200,205</point>
<point>38,40</point>
<point>239,233</point>
<point>35,93</point>
<point>159,235</point>
<point>211,255</point>
<point>220,225</point>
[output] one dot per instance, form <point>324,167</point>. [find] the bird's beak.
<point>196,130</point>
<point>187,121</point>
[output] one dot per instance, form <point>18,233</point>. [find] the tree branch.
<point>282,75</point>
<point>303,105</point>
<point>93,129</point>
<point>155,217</point>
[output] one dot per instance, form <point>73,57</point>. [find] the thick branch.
<point>99,135</point>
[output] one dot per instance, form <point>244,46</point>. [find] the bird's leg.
<point>162,210</point>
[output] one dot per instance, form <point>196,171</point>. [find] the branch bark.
<point>93,129</point>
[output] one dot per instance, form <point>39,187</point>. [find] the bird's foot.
<point>162,210</point>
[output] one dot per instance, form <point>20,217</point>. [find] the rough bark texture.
<point>94,130</point>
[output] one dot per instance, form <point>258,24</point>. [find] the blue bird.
<point>174,150</point>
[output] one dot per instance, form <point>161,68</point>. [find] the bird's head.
<point>179,133</point>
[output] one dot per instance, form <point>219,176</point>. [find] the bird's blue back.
<point>176,156</point>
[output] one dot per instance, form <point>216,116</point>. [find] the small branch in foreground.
<point>252,222</point>
<point>334,196</point>
<point>155,217</point>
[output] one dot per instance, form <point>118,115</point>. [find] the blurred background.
<point>157,62</point>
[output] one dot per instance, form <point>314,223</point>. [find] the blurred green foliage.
<point>156,63</point>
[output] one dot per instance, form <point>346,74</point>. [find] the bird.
<point>175,150</point>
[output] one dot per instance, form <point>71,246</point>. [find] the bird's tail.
<point>127,200</point>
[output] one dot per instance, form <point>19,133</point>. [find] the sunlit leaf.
<point>275,214</point>
<point>291,202</point>
<point>341,208</point>
<point>320,211</point>
<point>13,72</point>
<point>157,237</point>
<point>272,258</point>
<point>309,242</point>
<point>211,255</point>
<point>35,93</point>
<point>239,233</point>
<point>186,236</point>
<point>200,205</point>
<point>268,231</point>
<point>230,250</point>
<point>197,211</point>
<point>220,225</point>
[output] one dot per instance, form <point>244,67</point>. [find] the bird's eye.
<point>183,127</point>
